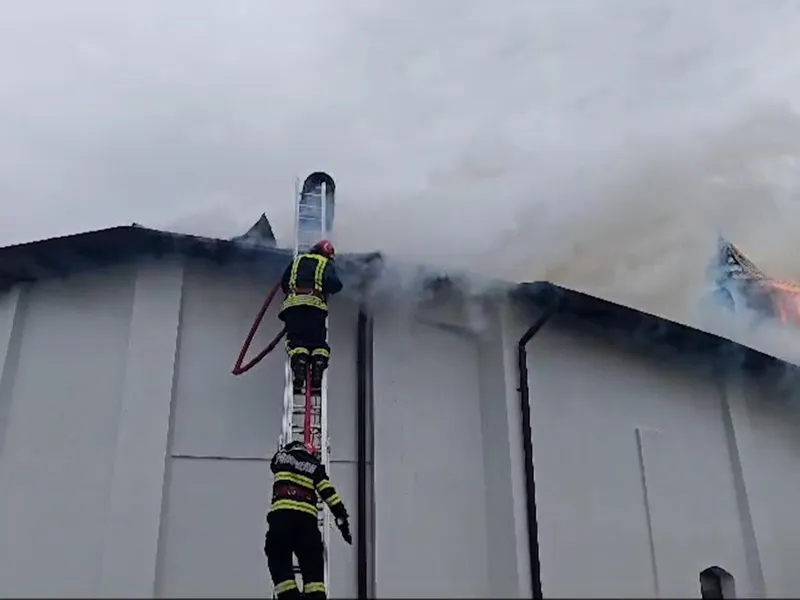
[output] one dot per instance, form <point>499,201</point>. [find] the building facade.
<point>132,463</point>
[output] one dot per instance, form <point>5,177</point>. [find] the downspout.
<point>527,450</point>
<point>361,453</point>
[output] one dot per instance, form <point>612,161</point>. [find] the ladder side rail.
<point>310,217</point>
<point>288,402</point>
<point>296,216</point>
<point>323,410</point>
<point>323,201</point>
<point>324,446</point>
<point>288,395</point>
<point>288,392</point>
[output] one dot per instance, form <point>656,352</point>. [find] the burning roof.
<point>746,284</point>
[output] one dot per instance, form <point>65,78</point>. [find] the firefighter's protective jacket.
<point>299,477</point>
<point>309,281</point>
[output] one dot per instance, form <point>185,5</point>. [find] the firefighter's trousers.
<point>292,532</point>
<point>306,340</point>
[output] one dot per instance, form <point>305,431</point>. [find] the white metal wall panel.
<point>342,380</point>
<point>692,527</point>
<point>767,428</point>
<point>133,520</point>
<point>12,312</point>
<point>214,535</point>
<point>502,452</point>
<point>217,414</point>
<point>344,581</point>
<point>429,476</point>
<point>56,462</point>
<point>344,439</point>
<point>589,396</point>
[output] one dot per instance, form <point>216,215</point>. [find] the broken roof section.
<point>748,286</point>
<point>259,234</point>
<point>733,265</point>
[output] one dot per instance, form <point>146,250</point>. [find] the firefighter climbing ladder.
<point>305,416</point>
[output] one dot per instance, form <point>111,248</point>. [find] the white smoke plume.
<point>601,145</point>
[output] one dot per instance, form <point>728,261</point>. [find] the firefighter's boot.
<point>318,366</point>
<point>299,365</point>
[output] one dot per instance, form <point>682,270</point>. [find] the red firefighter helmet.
<point>325,248</point>
<point>298,445</point>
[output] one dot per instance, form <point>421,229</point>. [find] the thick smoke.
<point>602,145</point>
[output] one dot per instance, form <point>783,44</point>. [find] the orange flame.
<point>785,298</point>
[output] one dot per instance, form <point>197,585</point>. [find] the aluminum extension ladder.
<point>310,227</point>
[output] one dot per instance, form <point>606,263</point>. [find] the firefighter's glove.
<point>344,529</point>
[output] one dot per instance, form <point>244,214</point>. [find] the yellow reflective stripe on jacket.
<point>303,300</point>
<point>319,271</point>
<point>293,275</point>
<point>316,299</point>
<point>328,493</point>
<point>321,263</point>
<point>296,479</point>
<point>294,505</point>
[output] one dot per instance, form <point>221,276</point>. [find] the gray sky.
<point>600,143</point>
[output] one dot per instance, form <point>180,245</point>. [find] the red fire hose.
<point>239,368</point>
<point>307,416</point>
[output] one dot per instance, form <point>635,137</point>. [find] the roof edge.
<point>363,273</point>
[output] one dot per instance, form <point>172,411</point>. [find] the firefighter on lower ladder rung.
<point>307,284</point>
<point>292,519</point>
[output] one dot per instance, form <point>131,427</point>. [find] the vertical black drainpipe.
<point>527,451</point>
<point>361,429</point>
